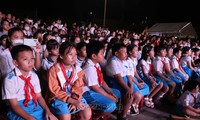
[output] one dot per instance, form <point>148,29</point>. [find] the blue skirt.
<point>59,107</point>
<point>180,75</point>
<point>36,111</point>
<point>147,81</point>
<point>165,83</point>
<point>101,102</point>
<point>144,91</point>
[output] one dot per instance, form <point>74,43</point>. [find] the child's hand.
<point>79,105</point>
<point>31,118</point>
<point>140,85</point>
<point>72,108</point>
<point>153,83</point>
<point>50,116</point>
<point>37,47</point>
<point>167,79</point>
<point>178,77</point>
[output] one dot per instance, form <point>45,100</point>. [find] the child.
<point>159,71</point>
<point>22,103</point>
<point>15,37</point>
<point>188,103</point>
<point>3,39</point>
<point>97,91</point>
<point>51,59</point>
<point>146,73</point>
<point>169,70</point>
<point>140,88</point>
<point>186,63</point>
<point>176,67</point>
<point>81,53</point>
<point>65,81</point>
<point>119,77</point>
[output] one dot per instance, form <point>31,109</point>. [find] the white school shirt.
<point>6,62</point>
<point>1,49</point>
<point>90,74</point>
<point>80,62</point>
<point>115,66</point>
<point>13,86</point>
<point>187,99</point>
<point>157,64</point>
<point>131,66</point>
<point>144,63</point>
<point>168,62</point>
<point>47,62</point>
<point>174,62</point>
<point>184,60</point>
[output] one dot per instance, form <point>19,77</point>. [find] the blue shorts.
<point>101,102</point>
<point>177,81</point>
<point>148,81</point>
<point>36,111</point>
<point>59,107</point>
<point>180,75</point>
<point>144,91</point>
<point>165,84</point>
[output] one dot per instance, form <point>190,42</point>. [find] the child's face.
<point>134,52</point>
<point>55,51</point>
<point>170,52</point>
<point>25,61</point>
<point>190,52</point>
<point>69,57</point>
<point>82,52</point>
<point>163,53</point>
<point>100,56</point>
<point>121,54</point>
<point>178,55</point>
<point>17,35</point>
<point>151,53</point>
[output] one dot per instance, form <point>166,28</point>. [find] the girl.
<point>188,103</point>
<point>146,73</point>
<point>15,37</point>
<point>65,81</point>
<point>186,63</point>
<point>140,87</point>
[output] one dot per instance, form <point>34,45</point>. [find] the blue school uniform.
<point>98,101</point>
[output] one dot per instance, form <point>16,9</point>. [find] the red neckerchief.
<point>163,62</point>
<point>178,63</point>
<point>100,76</point>
<point>150,68</point>
<point>68,80</point>
<point>195,99</point>
<point>26,89</point>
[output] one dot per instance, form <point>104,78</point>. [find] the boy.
<point>159,71</point>
<point>81,53</point>
<point>120,78</point>
<point>97,91</point>
<point>21,88</point>
<point>53,50</point>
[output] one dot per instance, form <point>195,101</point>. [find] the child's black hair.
<point>146,49</point>
<point>197,61</point>
<point>130,48</point>
<point>185,49</point>
<point>52,44</point>
<point>19,48</point>
<point>66,45</point>
<point>93,48</point>
<point>195,49</point>
<point>117,47</point>
<point>176,50</point>
<point>80,45</point>
<point>190,85</point>
<point>158,48</point>
<point>3,37</point>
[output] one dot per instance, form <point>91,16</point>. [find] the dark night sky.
<point>125,10</point>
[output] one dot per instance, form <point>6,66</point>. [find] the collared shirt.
<point>47,63</point>
<point>144,63</point>
<point>184,60</point>
<point>187,99</point>
<point>116,66</point>
<point>175,63</point>
<point>157,64</point>
<point>90,74</point>
<point>13,86</point>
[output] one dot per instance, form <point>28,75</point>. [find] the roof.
<point>180,28</point>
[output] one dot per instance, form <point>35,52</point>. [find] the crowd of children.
<point>89,71</point>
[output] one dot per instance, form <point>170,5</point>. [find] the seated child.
<point>188,103</point>
<point>21,88</point>
<point>81,53</point>
<point>119,76</point>
<point>65,82</point>
<point>97,92</point>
